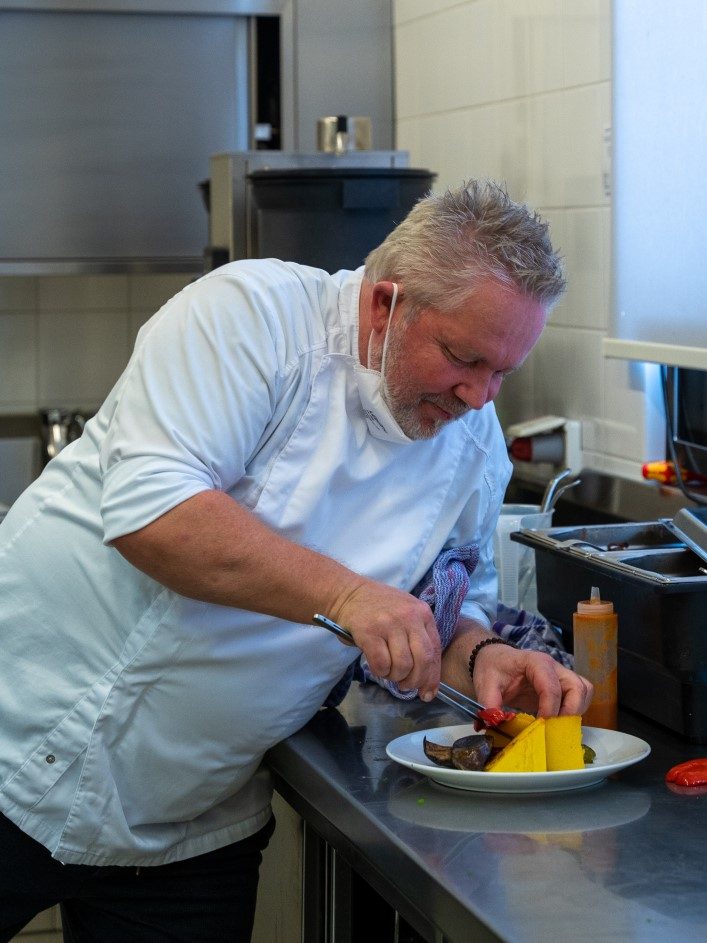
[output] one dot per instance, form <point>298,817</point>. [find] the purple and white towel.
<point>444,588</point>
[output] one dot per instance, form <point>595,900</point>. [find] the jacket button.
<point>50,758</point>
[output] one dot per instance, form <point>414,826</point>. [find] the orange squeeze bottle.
<point>595,627</point>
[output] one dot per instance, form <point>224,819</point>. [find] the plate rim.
<point>555,780</point>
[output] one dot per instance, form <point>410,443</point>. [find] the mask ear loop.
<point>393,300</point>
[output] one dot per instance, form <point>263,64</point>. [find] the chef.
<point>282,442</point>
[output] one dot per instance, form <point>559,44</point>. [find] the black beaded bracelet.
<point>493,640</point>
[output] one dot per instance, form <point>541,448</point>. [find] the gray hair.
<point>448,242</point>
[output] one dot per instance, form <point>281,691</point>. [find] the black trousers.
<point>206,899</point>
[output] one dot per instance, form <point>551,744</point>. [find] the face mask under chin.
<point>388,416</point>
<point>371,387</point>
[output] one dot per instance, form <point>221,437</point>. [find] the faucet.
<point>59,427</point>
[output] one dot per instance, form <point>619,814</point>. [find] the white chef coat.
<point>133,720</point>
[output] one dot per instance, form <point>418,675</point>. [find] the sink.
<point>602,499</point>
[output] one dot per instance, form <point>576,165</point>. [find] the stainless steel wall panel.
<point>107,122</point>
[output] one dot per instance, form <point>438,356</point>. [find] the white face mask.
<point>372,390</point>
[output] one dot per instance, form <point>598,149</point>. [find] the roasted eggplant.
<point>439,753</point>
<point>471,753</point>
<point>467,753</point>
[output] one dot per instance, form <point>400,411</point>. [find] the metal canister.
<point>337,134</point>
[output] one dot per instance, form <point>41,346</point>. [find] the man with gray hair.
<point>282,442</point>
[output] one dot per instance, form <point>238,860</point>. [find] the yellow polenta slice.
<point>512,727</point>
<point>563,742</point>
<point>524,754</point>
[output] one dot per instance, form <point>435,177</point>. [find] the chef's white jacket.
<point>133,720</point>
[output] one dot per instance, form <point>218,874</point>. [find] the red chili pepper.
<point>493,716</point>
<point>689,773</point>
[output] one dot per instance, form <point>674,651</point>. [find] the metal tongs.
<point>445,693</point>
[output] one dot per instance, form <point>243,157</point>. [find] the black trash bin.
<point>329,217</point>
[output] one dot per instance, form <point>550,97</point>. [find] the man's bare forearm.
<point>213,549</point>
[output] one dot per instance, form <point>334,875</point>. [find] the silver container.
<point>338,134</point>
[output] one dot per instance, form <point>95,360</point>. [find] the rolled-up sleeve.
<point>478,522</point>
<point>481,600</point>
<point>192,404</point>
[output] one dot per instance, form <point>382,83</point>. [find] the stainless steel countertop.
<point>622,861</point>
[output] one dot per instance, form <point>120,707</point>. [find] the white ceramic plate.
<point>614,751</point>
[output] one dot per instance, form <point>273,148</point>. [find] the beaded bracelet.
<point>493,640</point>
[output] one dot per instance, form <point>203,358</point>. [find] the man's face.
<point>443,364</point>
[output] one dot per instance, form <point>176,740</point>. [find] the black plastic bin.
<point>330,218</point>
<point>659,590</point>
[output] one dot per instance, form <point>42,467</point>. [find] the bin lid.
<point>690,525</point>
<point>313,173</point>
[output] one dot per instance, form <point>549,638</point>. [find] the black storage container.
<point>658,585</point>
<point>329,218</point>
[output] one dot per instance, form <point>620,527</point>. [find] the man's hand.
<point>528,680</point>
<point>397,634</point>
<point>503,675</point>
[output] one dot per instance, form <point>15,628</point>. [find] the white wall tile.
<point>569,371</point>
<point>508,37</point>
<point>81,354</point>
<point>136,319</point>
<point>557,220</point>
<point>461,71</point>
<point>568,43</point>
<point>18,376</point>
<point>620,439</point>
<point>516,399</point>
<point>632,403</point>
<point>20,463</point>
<point>405,10</point>
<point>423,138</point>
<point>566,153</point>
<point>18,293</point>
<point>487,141</point>
<point>519,90</point>
<point>510,147</point>
<point>452,146</point>
<point>545,27</point>
<point>612,465</point>
<point>149,292</point>
<point>65,339</point>
<point>407,81</point>
<point>583,238</point>
<point>409,137</point>
<point>586,41</point>
<point>500,50</point>
<point>83,292</point>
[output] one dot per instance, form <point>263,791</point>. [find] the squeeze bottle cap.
<point>594,606</point>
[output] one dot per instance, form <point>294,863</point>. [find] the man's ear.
<point>381,301</point>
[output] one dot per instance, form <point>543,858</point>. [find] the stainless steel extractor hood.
<point>109,113</point>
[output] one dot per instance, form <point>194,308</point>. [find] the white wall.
<point>520,91</point>
<point>517,90</point>
<point>64,339</point>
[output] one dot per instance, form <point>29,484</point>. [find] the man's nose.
<point>477,392</point>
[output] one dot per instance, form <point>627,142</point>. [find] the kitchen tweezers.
<point>446,694</point>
